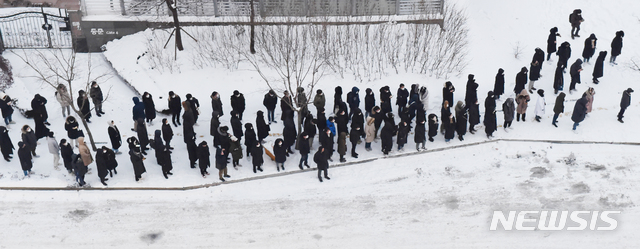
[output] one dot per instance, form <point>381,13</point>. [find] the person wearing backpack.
<point>575,19</point>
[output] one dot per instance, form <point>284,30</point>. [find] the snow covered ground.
<point>443,199</point>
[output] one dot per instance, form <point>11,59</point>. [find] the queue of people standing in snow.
<point>349,122</point>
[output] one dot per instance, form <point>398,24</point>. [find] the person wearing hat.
<point>624,103</point>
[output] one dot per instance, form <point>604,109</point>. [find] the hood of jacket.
<point>369,91</point>
<point>553,30</point>
<point>136,100</point>
<point>459,106</point>
<point>620,33</point>
<point>561,97</point>
<point>501,71</point>
<point>355,89</point>
<point>338,90</point>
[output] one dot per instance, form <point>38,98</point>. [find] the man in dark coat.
<point>192,150</point>
<point>558,80</point>
<point>79,168</point>
<point>490,121</point>
<point>624,103</point>
<point>575,19</point>
<point>388,131</point>
<point>474,116</point>
<point>143,136</point>
<point>326,141</point>
<point>203,158</point>
<point>29,138</point>
<point>238,103</point>
<point>280,153</point>
<point>175,105</point>
<point>589,47</point>
<point>270,101</point>
<point>165,162</point>
<point>310,128</point>
<point>66,152</point>
<point>357,130</point>
<point>558,108</point>
<point>564,53</point>
<point>551,42</point>
<point>189,121</point>
<point>471,95</point>
<point>167,133</point>
<point>403,132</point>
<point>321,121</point>
<point>575,70</point>
<point>341,121</point>
<point>6,108</point>
<point>462,116</point>
<point>6,146</point>
<point>286,104</point>
<point>536,66</point>
<point>420,132</point>
<point>401,98</point>
<point>498,88</point>
<point>385,100</point>
<point>304,149</point>
<point>38,105</point>
<point>353,99</point>
<point>215,124</point>
<point>579,111</point>
<point>149,107</point>
<point>616,47</point>
<point>221,163</point>
<point>114,136</point>
<point>136,157</point>
<point>223,140</point>
<point>447,92</point>
<point>338,103</point>
<point>138,112</point>
<point>598,69</point>
<point>521,81</point>
<point>320,158</point>
<point>433,126</point>
<point>261,125</point>
<point>194,105</point>
<point>83,104</point>
<point>236,125</point>
<point>24,154</point>
<point>256,156</point>
<point>101,164</point>
<point>369,102</point>
<point>249,137</point>
<point>216,103</point>
<point>112,163</point>
<point>289,132</point>
<point>96,97</point>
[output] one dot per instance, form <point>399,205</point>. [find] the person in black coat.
<point>270,101</point>
<point>338,103</point>
<point>433,126</point>
<point>262,126</point>
<point>136,157</point>
<point>249,137</point>
<point>167,133</point>
<point>216,103</point>
<point>304,149</point>
<point>39,109</point>
<point>256,156</point>
<point>286,104</point>
<point>6,108</point>
<point>598,69</point>
<point>558,108</point>
<point>535,67</point>
<point>203,158</point>
<point>420,137</point>
<point>474,116</point>
<point>101,164</point>
<point>401,98</point>
<point>236,125</point>
<point>96,97</point>
<point>165,162</point>
<point>6,146</point>
<point>192,150</point>
<point>388,131</point>
<point>575,70</point>
<point>462,116</point>
<point>353,99</point>
<point>223,140</point>
<point>138,112</point>
<point>616,47</point>
<point>403,132</point>
<point>112,163</point>
<point>369,101</point>
<point>326,141</point>
<point>445,110</point>
<point>289,132</point>
<point>385,100</point>
<point>449,128</point>
<point>83,104</point>
<point>341,121</point>
<point>221,163</point>
<point>79,168</point>
<point>215,124</point>
<point>589,47</point>
<point>378,118</point>
<point>521,81</point>
<point>498,88</point>
<point>188,121</point>
<point>143,136</point>
<point>66,151</point>
<point>575,19</point>
<point>471,95</point>
<point>238,103</point>
<point>321,121</point>
<point>175,105</point>
<point>579,111</point>
<point>490,120</point>
<point>149,107</point>
<point>447,92</point>
<point>280,153</point>
<point>551,42</point>
<point>194,106</point>
<point>558,80</point>
<point>29,138</point>
<point>114,136</point>
<point>24,154</point>
<point>158,146</point>
<point>320,158</point>
<point>564,53</point>
<point>624,103</point>
<point>310,128</point>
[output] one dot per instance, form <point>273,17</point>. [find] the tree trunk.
<point>252,48</point>
<point>176,23</point>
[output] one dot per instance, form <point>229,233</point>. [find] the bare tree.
<point>59,66</point>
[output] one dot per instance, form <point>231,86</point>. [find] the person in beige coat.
<point>523,102</point>
<point>589,94</point>
<point>370,131</point>
<point>85,153</point>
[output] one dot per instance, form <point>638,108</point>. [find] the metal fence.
<point>35,29</point>
<point>275,7</point>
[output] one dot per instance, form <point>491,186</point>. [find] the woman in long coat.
<point>6,146</point>
<point>149,107</point>
<point>589,47</point>
<point>498,88</point>
<point>509,110</point>
<point>461,118</point>
<point>261,125</point>
<point>598,69</point>
<point>523,102</point>
<point>420,132</point>
<point>490,121</point>
<point>136,157</point>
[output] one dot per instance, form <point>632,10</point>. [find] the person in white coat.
<point>540,105</point>
<point>424,98</point>
<point>54,149</point>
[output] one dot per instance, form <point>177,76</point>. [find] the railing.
<point>265,7</point>
<point>35,28</point>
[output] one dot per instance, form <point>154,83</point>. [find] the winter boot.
<point>524,115</point>
<point>460,137</point>
<point>320,178</point>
